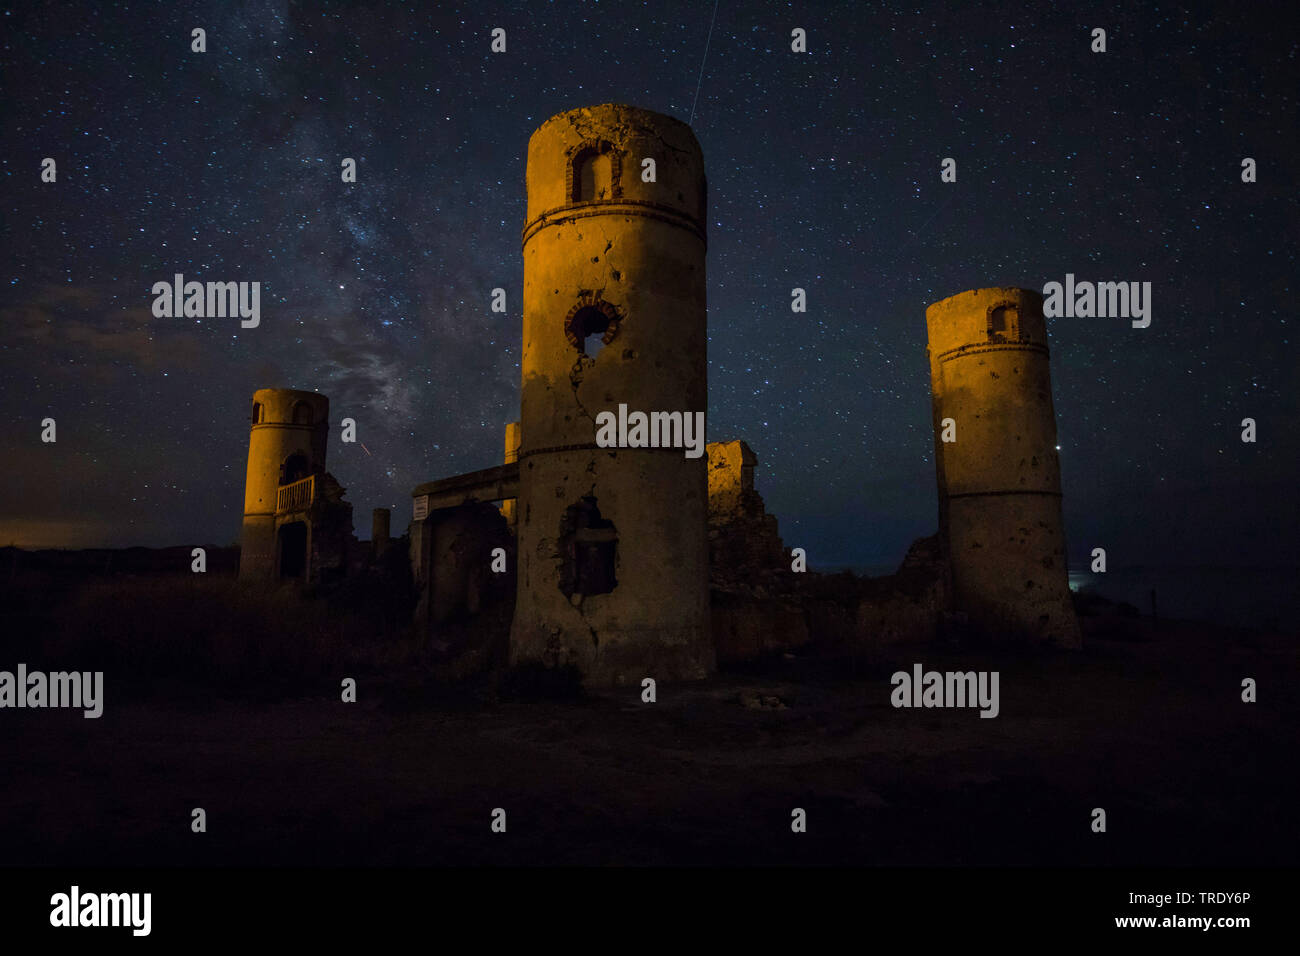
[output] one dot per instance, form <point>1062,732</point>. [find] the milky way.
<point>824,174</point>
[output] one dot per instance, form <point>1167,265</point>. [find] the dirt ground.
<point>1147,723</point>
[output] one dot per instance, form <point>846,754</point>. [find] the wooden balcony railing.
<point>296,496</point>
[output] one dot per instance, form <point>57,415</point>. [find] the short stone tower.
<point>286,447</point>
<point>613,558</point>
<point>1000,522</point>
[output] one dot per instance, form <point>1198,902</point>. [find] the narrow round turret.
<point>286,443</point>
<point>999,477</point>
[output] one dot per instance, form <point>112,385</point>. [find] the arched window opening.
<point>296,467</point>
<point>257,413</point>
<point>1004,323</point>
<point>593,179</point>
<point>594,173</point>
<point>302,414</point>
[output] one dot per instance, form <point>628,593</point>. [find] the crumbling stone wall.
<point>333,541</point>
<point>760,606</point>
<point>755,607</point>
<point>743,537</point>
<point>464,606</point>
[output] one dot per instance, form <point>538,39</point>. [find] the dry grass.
<point>162,634</point>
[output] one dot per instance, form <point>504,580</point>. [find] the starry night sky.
<point>823,173</point>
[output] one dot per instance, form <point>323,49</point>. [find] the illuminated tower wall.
<point>613,557</point>
<point>286,442</point>
<point>1000,482</point>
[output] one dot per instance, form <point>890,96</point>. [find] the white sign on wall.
<point>421,508</point>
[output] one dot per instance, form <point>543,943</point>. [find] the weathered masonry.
<point>1000,524</point>
<point>614,312</point>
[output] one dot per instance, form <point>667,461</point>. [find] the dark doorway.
<point>295,468</point>
<point>293,549</point>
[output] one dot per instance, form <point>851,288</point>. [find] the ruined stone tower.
<point>1000,522</point>
<point>613,558</point>
<point>286,446</point>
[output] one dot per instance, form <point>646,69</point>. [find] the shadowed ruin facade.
<point>1000,524</point>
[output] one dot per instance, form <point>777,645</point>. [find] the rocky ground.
<point>1147,722</point>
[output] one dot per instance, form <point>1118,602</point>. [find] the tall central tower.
<point>613,553</point>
